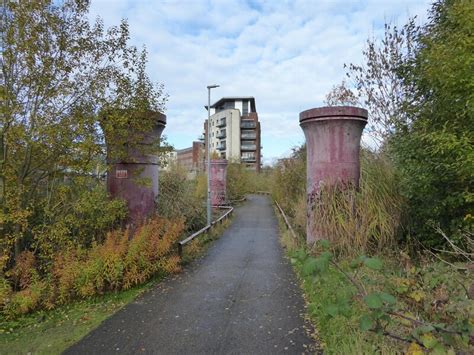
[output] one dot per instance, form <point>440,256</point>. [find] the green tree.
<point>436,152</point>
<point>58,72</point>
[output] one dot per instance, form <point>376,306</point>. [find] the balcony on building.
<point>248,147</point>
<point>248,135</point>
<point>248,124</point>
<point>221,134</point>
<point>202,138</point>
<point>220,146</point>
<point>248,159</point>
<point>221,122</point>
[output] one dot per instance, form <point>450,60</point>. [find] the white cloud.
<point>287,54</point>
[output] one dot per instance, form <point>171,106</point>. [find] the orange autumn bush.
<point>118,263</point>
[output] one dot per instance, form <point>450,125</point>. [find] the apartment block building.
<point>235,131</point>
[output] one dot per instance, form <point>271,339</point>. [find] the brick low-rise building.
<point>191,159</point>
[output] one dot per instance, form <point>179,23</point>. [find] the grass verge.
<point>338,334</point>
<point>51,332</point>
<point>385,304</point>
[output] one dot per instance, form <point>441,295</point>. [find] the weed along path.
<point>241,298</point>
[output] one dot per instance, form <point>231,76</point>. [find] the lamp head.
<point>212,86</point>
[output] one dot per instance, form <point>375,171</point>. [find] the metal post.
<point>209,87</point>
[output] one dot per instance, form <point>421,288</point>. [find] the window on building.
<point>229,105</point>
<point>245,108</point>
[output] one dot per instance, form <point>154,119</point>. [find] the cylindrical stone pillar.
<point>332,145</point>
<point>218,181</point>
<point>135,177</point>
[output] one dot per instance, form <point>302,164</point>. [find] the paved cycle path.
<point>241,298</point>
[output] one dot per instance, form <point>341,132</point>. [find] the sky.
<point>286,54</point>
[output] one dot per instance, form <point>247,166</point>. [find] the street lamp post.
<point>209,87</point>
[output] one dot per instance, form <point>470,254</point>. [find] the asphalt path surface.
<point>241,298</point>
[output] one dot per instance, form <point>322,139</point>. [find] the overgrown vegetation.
<point>67,87</point>
<point>183,198</point>
<point>120,262</point>
<point>242,181</point>
<point>397,256</point>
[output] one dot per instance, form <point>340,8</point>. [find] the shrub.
<point>181,199</point>
<point>238,181</point>
<point>24,271</point>
<point>117,263</point>
<point>26,300</point>
<point>149,249</point>
<point>5,291</point>
<point>87,215</point>
<point>242,181</point>
<point>66,268</point>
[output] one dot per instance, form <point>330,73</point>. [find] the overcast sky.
<point>287,54</point>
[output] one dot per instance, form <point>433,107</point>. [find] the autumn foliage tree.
<point>58,73</point>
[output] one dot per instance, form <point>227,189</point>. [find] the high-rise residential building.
<point>235,131</point>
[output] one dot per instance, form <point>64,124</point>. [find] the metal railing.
<point>221,135</point>
<point>221,123</point>
<point>185,241</point>
<point>288,225</point>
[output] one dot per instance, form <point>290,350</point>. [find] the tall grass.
<point>354,221</point>
<point>363,220</point>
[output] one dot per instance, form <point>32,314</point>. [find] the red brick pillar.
<point>135,178</point>
<point>333,144</point>
<point>218,181</point>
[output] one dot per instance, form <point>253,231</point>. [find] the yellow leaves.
<point>417,295</point>
<point>405,321</point>
<point>428,340</point>
<point>402,285</point>
<point>414,349</point>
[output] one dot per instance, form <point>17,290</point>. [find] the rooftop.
<point>221,101</point>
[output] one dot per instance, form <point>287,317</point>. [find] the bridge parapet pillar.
<point>218,181</point>
<point>333,137</point>
<point>134,177</point>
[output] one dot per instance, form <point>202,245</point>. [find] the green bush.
<point>435,153</point>
<point>182,198</point>
<point>436,170</point>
